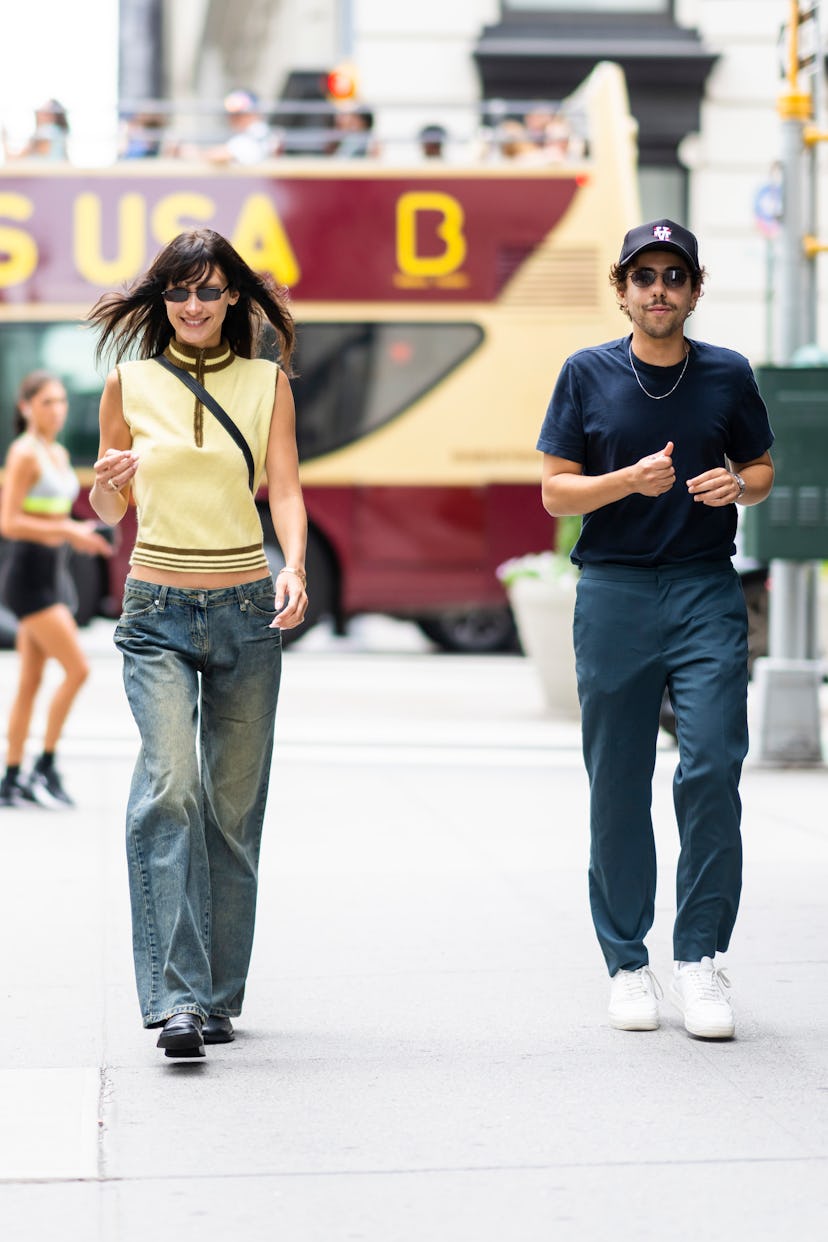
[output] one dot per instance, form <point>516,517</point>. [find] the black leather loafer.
<point>182,1036</point>
<point>218,1030</point>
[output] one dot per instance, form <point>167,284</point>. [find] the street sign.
<point>767,209</point>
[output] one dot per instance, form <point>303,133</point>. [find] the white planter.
<point>543,612</point>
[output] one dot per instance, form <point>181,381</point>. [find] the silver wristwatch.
<point>741,482</point>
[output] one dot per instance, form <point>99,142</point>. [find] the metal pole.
<point>770,279</point>
<point>788,679</point>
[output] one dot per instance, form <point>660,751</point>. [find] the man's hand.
<point>654,475</point>
<point>716,488</point>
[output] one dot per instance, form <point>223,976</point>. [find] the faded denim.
<point>201,671</point>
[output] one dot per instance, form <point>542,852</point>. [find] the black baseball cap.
<point>661,235</point>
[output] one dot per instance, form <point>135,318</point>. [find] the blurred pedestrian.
<point>190,427</point>
<point>654,439</point>
<point>35,514</point>
<point>50,138</point>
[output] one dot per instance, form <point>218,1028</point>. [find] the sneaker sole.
<point>721,1031</point>
<point>711,1032</point>
<point>634,1024</point>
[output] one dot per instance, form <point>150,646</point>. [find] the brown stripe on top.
<point>157,547</point>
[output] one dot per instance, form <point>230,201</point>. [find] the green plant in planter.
<point>547,566</point>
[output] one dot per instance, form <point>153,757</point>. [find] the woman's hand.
<point>290,585</point>
<point>115,469</point>
<point>116,464</point>
<point>83,537</point>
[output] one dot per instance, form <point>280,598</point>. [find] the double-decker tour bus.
<point>435,304</point>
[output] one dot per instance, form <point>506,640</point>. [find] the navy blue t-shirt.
<point>599,417</point>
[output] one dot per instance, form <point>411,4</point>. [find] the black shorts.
<point>36,577</point>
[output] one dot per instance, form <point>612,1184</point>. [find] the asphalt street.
<point>424,1054</point>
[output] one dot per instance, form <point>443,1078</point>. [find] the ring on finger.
<point>112,485</point>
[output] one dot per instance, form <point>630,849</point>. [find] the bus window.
<point>352,378</point>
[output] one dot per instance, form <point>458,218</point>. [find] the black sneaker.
<point>13,792</point>
<point>45,787</point>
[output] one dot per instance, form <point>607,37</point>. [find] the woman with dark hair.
<point>39,488</point>
<point>190,428</point>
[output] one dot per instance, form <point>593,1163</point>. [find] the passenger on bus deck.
<point>543,137</point>
<point>432,140</point>
<point>556,141</point>
<point>549,131</point>
<point>355,124</point>
<point>49,139</point>
<point>143,136</point>
<point>512,141</point>
<point>251,140</point>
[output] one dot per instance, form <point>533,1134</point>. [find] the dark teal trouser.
<point>637,631</point>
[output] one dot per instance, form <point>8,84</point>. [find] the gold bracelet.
<point>300,573</point>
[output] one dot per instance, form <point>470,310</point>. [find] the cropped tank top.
<point>196,513</point>
<point>56,487</point>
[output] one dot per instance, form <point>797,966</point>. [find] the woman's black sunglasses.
<point>673,277</point>
<point>205,293</point>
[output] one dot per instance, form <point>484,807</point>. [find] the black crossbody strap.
<point>215,409</point>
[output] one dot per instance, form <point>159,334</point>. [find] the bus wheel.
<point>321,571</point>
<point>477,631</point>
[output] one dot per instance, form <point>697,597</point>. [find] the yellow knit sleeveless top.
<point>196,513</point>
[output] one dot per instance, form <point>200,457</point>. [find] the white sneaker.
<point>697,989</point>
<point>634,997</point>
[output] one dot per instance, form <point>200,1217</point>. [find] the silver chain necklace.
<point>651,395</point>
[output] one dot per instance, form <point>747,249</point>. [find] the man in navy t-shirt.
<point>655,439</point>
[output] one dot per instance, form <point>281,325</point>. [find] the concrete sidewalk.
<point>424,1054</point>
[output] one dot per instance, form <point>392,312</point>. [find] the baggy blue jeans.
<point>637,631</point>
<point>201,671</point>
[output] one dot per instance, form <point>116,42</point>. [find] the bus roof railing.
<point>190,128</point>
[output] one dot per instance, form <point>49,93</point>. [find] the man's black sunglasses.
<point>673,277</point>
<point>205,293</point>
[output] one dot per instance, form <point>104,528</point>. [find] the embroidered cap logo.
<point>662,233</point>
